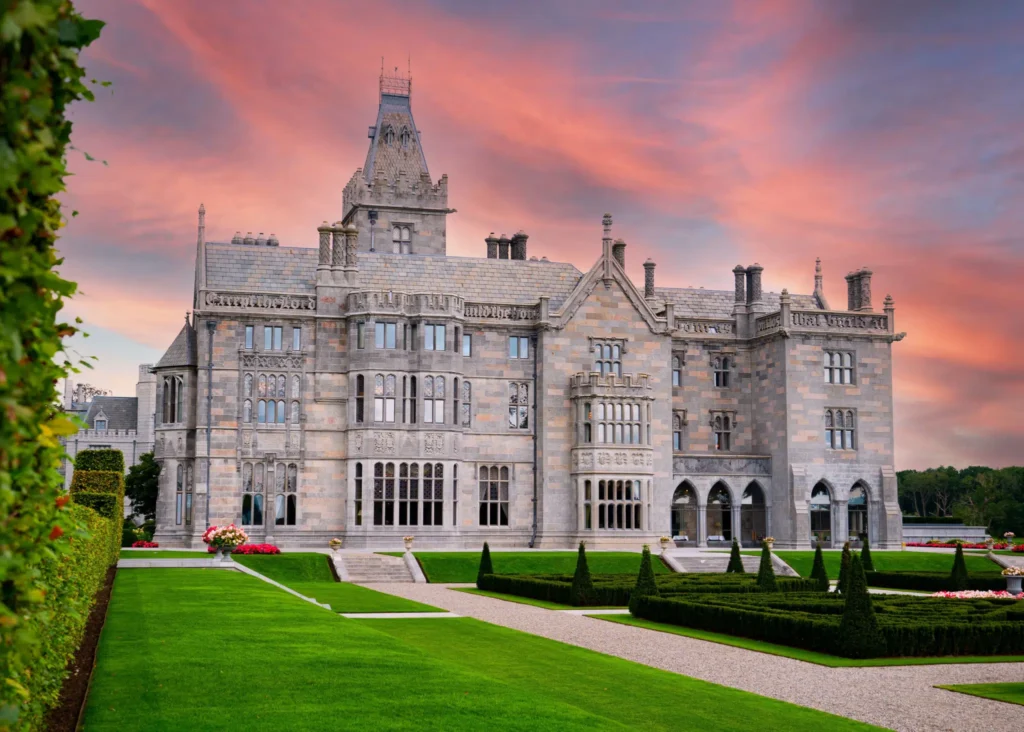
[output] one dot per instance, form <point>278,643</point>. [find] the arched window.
<point>296,386</point>
<point>684,513</point>
<point>839,429</point>
<point>433,494</point>
<point>286,501</point>
<point>261,389</point>
<point>280,411</point>
<point>753,521</point>
<point>722,425</point>
<point>821,514</point>
<point>389,135</point>
<point>494,495</point>
<point>359,494</point>
<point>252,494</point>
<point>838,367</point>
<point>857,507</point>
<point>406,137</point>
<point>248,385</point>
<point>719,514</point>
<point>295,412</point>
<point>588,508</point>
<point>677,432</point>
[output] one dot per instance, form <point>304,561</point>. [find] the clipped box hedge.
<point>97,481</point>
<point>100,459</point>
<point>911,626</point>
<point>615,589</point>
<point>930,581</point>
<point>104,504</point>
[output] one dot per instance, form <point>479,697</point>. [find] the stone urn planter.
<point>223,554</point>
<point>769,542</point>
<point>666,542</point>
<point>1013,584</point>
<point>407,540</point>
<point>335,545</point>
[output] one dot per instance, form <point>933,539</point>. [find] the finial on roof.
<point>817,266</point>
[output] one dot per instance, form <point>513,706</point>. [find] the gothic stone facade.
<point>374,387</point>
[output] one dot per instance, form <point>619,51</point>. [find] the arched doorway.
<point>719,522</point>
<point>684,515</point>
<point>821,515</point>
<point>753,524</point>
<point>857,508</point>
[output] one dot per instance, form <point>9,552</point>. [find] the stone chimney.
<point>858,290</point>
<point>325,244</point>
<point>337,245</point>
<point>248,240</point>
<point>865,289</point>
<point>740,272</point>
<point>503,242</point>
<point>492,246</point>
<point>649,266</point>
<point>754,283</point>
<point>519,244</point>
<point>351,247</point>
<point>619,252</point>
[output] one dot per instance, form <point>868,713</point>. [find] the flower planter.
<point>1013,583</point>
<point>223,554</point>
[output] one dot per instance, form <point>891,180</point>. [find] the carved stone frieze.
<point>433,443</point>
<point>293,362</point>
<point>384,443</point>
<point>629,460</point>
<point>485,311</point>
<point>722,465</point>
<point>405,303</point>
<point>705,327</point>
<point>357,443</point>
<point>839,321</point>
<point>260,301</point>
<point>769,322</point>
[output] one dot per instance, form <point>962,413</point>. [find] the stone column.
<point>784,307</point>
<point>740,273</point>
<point>619,252</point>
<point>840,523</point>
<point>736,510</point>
<point>649,266</point>
<point>337,245</point>
<point>890,312</point>
<point>325,244</point>
<point>702,528</point>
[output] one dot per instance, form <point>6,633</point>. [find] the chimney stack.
<point>649,266</point>
<point>619,252</point>
<point>519,244</point>
<point>337,245</point>
<point>503,242</point>
<point>325,244</point>
<point>740,273</point>
<point>865,289</point>
<point>858,290</point>
<point>492,246</point>
<point>754,282</point>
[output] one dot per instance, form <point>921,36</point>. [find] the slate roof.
<point>700,303</point>
<point>183,350</point>
<point>391,159</point>
<point>122,413</point>
<point>261,269</point>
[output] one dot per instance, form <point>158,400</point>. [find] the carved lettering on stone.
<point>260,301</point>
<point>721,327</point>
<point>501,312</point>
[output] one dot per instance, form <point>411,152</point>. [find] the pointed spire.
<point>200,272</point>
<point>819,288</point>
<point>606,245</point>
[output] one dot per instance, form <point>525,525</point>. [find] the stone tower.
<point>391,200</point>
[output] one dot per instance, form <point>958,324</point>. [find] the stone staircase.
<point>710,563</point>
<point>374,568</point>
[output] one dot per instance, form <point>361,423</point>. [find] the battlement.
<point>401,190</point>
<point>106,434</point>
<point>594,383</point>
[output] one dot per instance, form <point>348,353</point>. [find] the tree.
<point>142,486</point>
<point>859,636</point>
<point>646,584</point>
<point>582,585</point>
<point>865,556</point>
<point>844,569</point>
<point>735,561</point>
<point>40,77</point>
<point>958,578</point>
<point>766,572</point>
<point>485,564</point>
<point>818,571</point>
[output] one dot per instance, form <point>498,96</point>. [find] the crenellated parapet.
<point>400,191</point>
<point>593,383</point>
<point>404,303</point>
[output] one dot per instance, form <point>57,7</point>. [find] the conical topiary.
<point>844,569</point>
<point>485,564</point>
<point>958,578</point>
<point>859,636</point>
<point>582,585</point>
<point>818,571</point>
<point>765,572</point>
<point>865,556</point>
<point>735,562</point>
<point>646,585</point>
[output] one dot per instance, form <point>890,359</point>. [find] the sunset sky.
<point>878,133</point>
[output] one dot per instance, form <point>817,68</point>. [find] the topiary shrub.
<point>818,572</point>
<point>485,564</point>
<point>582,584</point>
<point>844,569</point>
<point>104,504</point>
<point>735,561</point>
<point>766,572</point>
<point>646,585</point>
<point>859,636</point>
<point>106,459</point>
<point>97,481</point>
<point>958,578</point>
<point>865,556</point>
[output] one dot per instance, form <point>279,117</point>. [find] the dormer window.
<point>101,424</point>
<point>406,137</point>
<point>389,135</point>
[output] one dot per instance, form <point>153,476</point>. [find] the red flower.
<point>56,533</point>
<point>63,500</point>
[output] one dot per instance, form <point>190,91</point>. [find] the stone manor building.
<point>373,387</point>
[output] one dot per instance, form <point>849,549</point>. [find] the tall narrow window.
<point>359,494</point>
<point>384,494</point>
<point>467,344</point>
<point>518,405</point>
<point>494,496</point>
<point>385,335</point>
<point>433,495</point>
<point>467,403</point>
<point>433,337</point>
<point>588,509</point>
<point>296,339</point>
<point>677,371</point>
<point>179,498</point>
<point>677,431</point>
<point>456,394</point>
<point>455,495</point>
<point>360,335</point>
<point>722,424</point>
<point>248,337</point>
<point>721,365</point>
<point>278,335</point>
<point>360,394</point>
<point>268,338</point>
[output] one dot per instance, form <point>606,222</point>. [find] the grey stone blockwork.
<point>544,450</point>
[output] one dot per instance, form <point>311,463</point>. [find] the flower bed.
<point>615,589</point>
<point>250,549</point>
<point>930,581</point>
<point>145,544</point>
<point>964,544</point>
<point>911,626</point>
<point>980,595</point>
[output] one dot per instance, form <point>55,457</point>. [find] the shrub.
<point>930,581</point>
<point>252,549</point>
<point>859,636</point>
<point>765,572</point>
<point>844,570</point>
<point>865,556</point>
<point>818,572</point>
<point>735,561</point>
<point>104,504</point>
<point>646,585</point>
<point>958,578</point>
<point>582,585</point>
<point>142,544</point>
<point>97,481</point>
<point>100,460</point>
<point>485,564</point>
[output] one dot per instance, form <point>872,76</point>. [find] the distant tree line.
<point>978,495</point>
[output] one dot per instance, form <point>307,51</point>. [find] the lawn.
<point>522,600</point>
<point>889,562</point>
<point>201,650</point>
<point>164,554</point>
<point>627,693</point>
<point>1012,693</point>
<point>310,574</point>
<point>822,659</point>
<point>463,566</point>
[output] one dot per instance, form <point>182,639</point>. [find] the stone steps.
<point>370,568</point>
<point>712,564</point>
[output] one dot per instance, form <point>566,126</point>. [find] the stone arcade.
<point>375,387</point>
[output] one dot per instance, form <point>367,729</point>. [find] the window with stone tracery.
<point>518,405</point>
<point>173,399</point>
<point>433,399</point>
<point>494,490</point>
<point>677,370</point>
<point>722,425</point>
<point>401,239</point>
<point>384,398</point>
<point>252,493</point>
<point>722,366</point>
<point>608,357</point>
<point>413,497</point>
<point>678,422</point>
<point>467,403</point>
<point>286,501</point>
<point>619,504</point>
<point>838,367</point>
<point>840,429</point>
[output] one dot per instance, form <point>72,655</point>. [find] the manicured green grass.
<point>889,562</point>
<point>463,566</point>
<point>196,649</point>
<point>310,574</point>
<point>523,600</point>
<point>631,695</point>
<point>822,659</point>
<point>163,554</point>
<point>1012,693</point>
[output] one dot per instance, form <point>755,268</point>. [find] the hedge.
<point>930,581</point>
<point>105,460</point>
<point>104,504</point>
<point>915,626</point>
<point>97,481</point>
<point>615,590</point>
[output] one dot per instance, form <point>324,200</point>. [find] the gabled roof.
<point>121,413</point>
<point>398,151</point>
<point>182,351</point>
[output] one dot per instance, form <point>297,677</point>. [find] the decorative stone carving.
<point>181,445</point>
<point>253,301</point>
<point>247,439</point>
<point>455,444</point>
<point>586,460</point>
<point>705,327</point>
<point>384,443</point>
<point>501,312</point>
<point>722,465</point>
<point>769,322</point>
<point>835,321</point>
<point>357,443</point>
<point>433,443</point>
<point>161,445</point>
<point>272,361</point>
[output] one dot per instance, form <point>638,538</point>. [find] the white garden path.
<point>897,697</point>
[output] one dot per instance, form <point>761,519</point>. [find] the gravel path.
<point>901,698</point>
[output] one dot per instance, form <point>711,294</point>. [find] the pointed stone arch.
<point>685,514</point>
<point>753,514</point>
